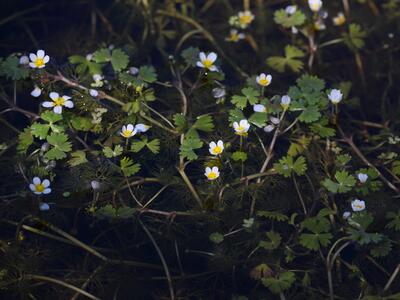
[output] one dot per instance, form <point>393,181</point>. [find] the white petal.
<point>46,59</point>
<point>213,145</point>
<point>212,56</point>
<point>208,170</point>
<point>36,92</point>
<point>58,109</point>
<point>40,54</point>
<point>141,127</point>
<point>93,93</point>
<point>263,76</point>
<point>32,65</point>
<point>36,180</point>
<point>213,68</point>
<point>48,104</point>
<point>32,187</point>
<point>258,79</point>
<point>44,206</point>
<point>37,193</point>
<point>269,78</point>
<point>46,183</point>
<point>54,95</point>
<point>47,191</point>
<point>32,57</point>
<point>200,64</point>
<point>202,56</point>
<point>24,60</point>
<point>66,97</point>
<point>69,104</point>
<point>235,125</point>
<point>215,169</point>
<point>259,108</point>
<point>123,128</point>
<point>130,127</point>
<point>220,144</point>
<point>243,123</point>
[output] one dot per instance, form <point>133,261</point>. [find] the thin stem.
<point>300,196</point>
<point>190,186</point>
<point>391,279</point>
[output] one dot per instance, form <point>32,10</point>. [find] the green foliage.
<point>77,157</point>
<point>114,213</point>
<point>259,119</point>
<point>272,215</point>
<point>250,95</point>
<point>109,153</point>
<point>25,139</point>
<point>290,60</point>
<point>320,227</point>
<point>239,155</point>
<point>280,283</point>
<point>216,237</point>
<point>128,167</point>
<point>394,222</point>
<point>274,240</point>
<point>191,56</point>
<point>60,146</point>
<point>382,249</point>
<point>153,146</point>
<point>287,165</point>
<point>147,74</point>
<point>343,184</point>
<point>289,20</point>
<point>118,59</point>
<point>83,65</point>
<point>204,123</point>
<point>188,146</point>
<point>11,68</point>
<point>355,37</point>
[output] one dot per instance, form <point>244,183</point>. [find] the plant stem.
<point>190,186</point>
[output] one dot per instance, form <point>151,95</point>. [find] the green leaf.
<point>51,117</point>
<point>364,238</point>
<point>343,159</point>
<point>235,115</point>
<point>180,122</point>
<point>259,119</point>
<point>191,55</point>
<point>355,37</point>
<point>281,283</point>
<point>102,56</point>
<point>382,249</point>
<point>83,65</point>
<point>153,146</point>
<point>109,153</point>
<point>321,129</point>
<point>60,144</point>
<point>344,183</point>
<point>394,220</point>
<point>128,167</point>
<point>239,155</point>
<point>147,74</point>
<point>289,20</point>
<point>318,224</point>
<point>11,68</point>
<point>25,139</point>
<point>272,215</point>
<point>290,60</point>
<point>204,123</point>
<point>110,212</point>
<point>78,157</point>
<point>40,130</point>
<point>188,146</point>
<point>274,240</point>
<point>287,165</point>
<point>315,241</point>
<point>310,114</point>
<point>119,60</point>
<point>250,95</point>
<point>81,123</point>
<point>216,237</point>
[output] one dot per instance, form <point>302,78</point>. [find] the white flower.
<point>346,215</point>
<point>98,80</point>
<point>43,206</point>
<point>89,57</point>
<point>95,184</point>
<point>291,9</point>
<point>212,174</point>
<point>216,148</point>
<point>274,120</point>
<point>36,92</point>
<point>285,102</point>
<point>339,20</point>
<point>319,25</point>
<point>24,60</point>
<point>245,18</point>
<point>335,96</point>
<point>264,80</point>
<point>93,93</point>
<point>133,70</point>
<point>141,127</point>
<point>128,131</point>
<point>235,36</point>
<point>38,60</point>
<point>218,92</point>
<point>97,77</point>
<point>242,127</point>
<point>207,61</point>
<point>295,30</point>
<point>362,177</point>
<point>39,187</point>
<point>259,108</point>
<point>58,102</point>
<point>269,128</point>
<point>315,5</point>
<point>358,205</point>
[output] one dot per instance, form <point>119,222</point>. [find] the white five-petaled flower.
<point>362,177</point>
<point>291,9</point>
<point>339,20</point>
<point>128,131</point>
<point>58,102</point>
<point>285,102</point>
<point>39,187</point>
<point>207,61</point>
<point>335,96</point>
<point>274,120</point>
<point>242,127</point>
<point>93,93</point>
<point>141,127</point>
<point>24,60</point>
<point>38,60</point>
<point>346,215</point>
<point>315,5</point>
<point>245,18</point>
<point>358,205</point>
<point>216,148</point>
<point>212,173</point>
<point>36,92</point>
<point>235,36</point>
<point>43,206</point>
<point>259,108</point>
<point>264,80</point>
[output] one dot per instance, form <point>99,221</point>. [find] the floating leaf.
<point>290,60</point>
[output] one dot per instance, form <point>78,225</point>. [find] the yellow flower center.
<point>217,150</point>
<point>234,37</point>
<point>359,206</point>
<point>59,101</point>
<point>212,175</point>
<point>39,62</point>
<point>207,63</point>
<point>264,82</point>
<point>314,6</point>
<point>39,188</point>
<point>340,20</point>
<point>245,19</point>
<point>127,133</point>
